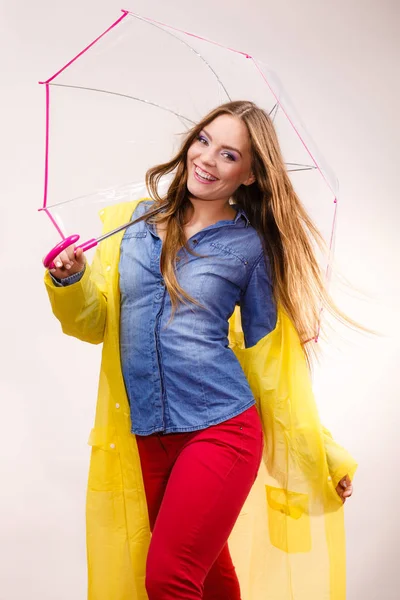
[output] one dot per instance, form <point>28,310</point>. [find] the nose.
<point>208,158</point>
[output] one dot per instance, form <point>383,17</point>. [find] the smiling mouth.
<point>203,176</point>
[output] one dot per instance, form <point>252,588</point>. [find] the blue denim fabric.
<point>182,376</point>
<point>68,280</point>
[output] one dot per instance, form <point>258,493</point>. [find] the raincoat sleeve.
<point>68,280</point>
<point>81,308</point>
<point>340,462</point>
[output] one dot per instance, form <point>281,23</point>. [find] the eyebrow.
<point>227,147</point>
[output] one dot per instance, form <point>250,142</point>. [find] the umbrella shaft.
<point>114,231</point>
<point>126,225</point>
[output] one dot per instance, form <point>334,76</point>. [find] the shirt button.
<point>195,242</point>
<point>112,446</point>
<point>162,283</point>
<point>117,405</point>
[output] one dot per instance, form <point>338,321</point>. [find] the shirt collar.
<point>240,213</point>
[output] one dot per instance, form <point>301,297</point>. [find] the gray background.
<point>339,65</point>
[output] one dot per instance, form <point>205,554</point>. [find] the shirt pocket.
<point>230,263</point>
<point>219,275</point>
<point>132,233</point>
<point>229,251</point>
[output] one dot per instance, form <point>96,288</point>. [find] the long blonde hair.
<point>274,210</point>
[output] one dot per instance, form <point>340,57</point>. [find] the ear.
<point>251,179</point>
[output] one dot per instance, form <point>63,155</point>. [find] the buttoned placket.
<point>159,303</point>
<point>158,308</point>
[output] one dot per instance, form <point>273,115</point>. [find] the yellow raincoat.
<point>288,542</point>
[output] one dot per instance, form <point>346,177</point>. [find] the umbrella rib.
<point>89,89</point>
<point>188,45</point>
<point>272,114</point>
<point>303,167</point>
<point>274,110</point>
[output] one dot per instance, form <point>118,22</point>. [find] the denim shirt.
<point>182,376</point>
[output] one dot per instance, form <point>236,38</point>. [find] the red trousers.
<point>196,484</point>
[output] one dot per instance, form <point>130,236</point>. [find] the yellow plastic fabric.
<point>289,540</point>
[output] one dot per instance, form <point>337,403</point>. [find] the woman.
<point>230,234</point>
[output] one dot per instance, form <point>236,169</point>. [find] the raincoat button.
<point>112,446</point>
<point>117,405</point>
<point>108,268</point>
<point>329,478</point>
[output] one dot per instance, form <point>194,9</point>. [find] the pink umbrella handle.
<point>48,260</point>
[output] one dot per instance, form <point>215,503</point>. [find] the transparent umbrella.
<point>121,106</point>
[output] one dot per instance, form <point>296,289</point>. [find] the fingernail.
<point>53,270</point>
<point>68,266</point>
<point>58,264</point>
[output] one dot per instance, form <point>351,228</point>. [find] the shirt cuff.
<point>67,280</point>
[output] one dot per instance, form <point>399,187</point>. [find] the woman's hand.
<point>344,488</point>
<point>68,262</point>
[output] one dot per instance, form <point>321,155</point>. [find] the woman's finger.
<point>65,259</point>
<point>59,262</point>
<point>80,257</point>
<point>70,252</point>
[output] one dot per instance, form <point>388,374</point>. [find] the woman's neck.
<point>207,212</point>
<point>201,214</point>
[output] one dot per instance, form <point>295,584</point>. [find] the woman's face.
<point>219,160</point>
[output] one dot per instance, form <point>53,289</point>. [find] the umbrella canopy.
<point>122,104</point>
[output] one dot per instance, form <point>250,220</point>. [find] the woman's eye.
<point>204,141</point>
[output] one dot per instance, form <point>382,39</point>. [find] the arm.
<point>340,462</point>
<point>81,307</point>
<point>258,317</point>
<point>257,306</point>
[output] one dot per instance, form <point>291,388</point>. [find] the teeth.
<point>204,175</point>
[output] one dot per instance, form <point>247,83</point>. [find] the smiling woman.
<point>205,306</point>
<point>220,155</point>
